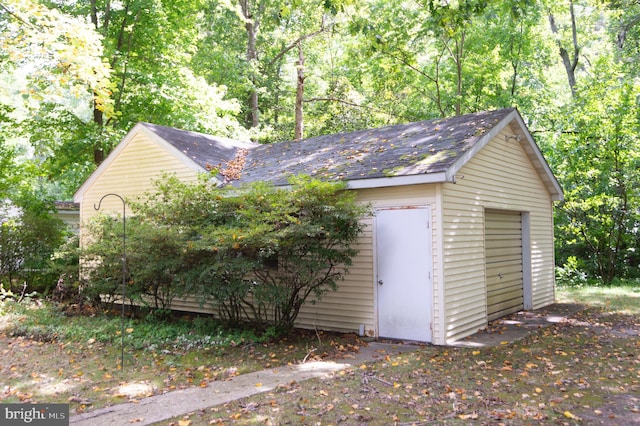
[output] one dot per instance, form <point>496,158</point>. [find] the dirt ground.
<point>558,365</point>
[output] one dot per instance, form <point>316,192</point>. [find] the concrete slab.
<point>516,326</point>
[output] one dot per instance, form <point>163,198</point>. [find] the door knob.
<point>380,282</point>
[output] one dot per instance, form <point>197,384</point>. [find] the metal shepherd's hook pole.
<point>124,268</point>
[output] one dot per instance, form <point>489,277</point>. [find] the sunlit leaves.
<point>60,55</point>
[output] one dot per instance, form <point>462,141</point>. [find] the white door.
<point>404,286</point>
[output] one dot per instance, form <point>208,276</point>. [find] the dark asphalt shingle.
<point>205,150</point>
<point>399,150</point>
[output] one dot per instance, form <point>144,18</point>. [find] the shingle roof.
<point>67,205</point>
<point>422,152</point>
<point>400,150</point>
<point>205,150</point>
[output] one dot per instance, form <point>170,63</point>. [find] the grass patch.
<point>622,298</point>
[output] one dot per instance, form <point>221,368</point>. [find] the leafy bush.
<point>256,253</point>
<point>570,274</point>
<point>29,235</point>
<point>102,261</point>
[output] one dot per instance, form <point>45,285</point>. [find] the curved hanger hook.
<point>105,196</point>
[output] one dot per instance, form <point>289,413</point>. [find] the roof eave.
<point>391,181</point>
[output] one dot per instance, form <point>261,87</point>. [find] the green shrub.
<point>571,274</point>
<point>29,235</point>
<point>256,253</point>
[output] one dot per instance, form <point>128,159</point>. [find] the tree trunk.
<point>457,55</point>
<point>459,59</point>
<point>98,116</point>
<point>570,62</point>
<point>252,24</point>
<point>299,127</point>
<point>516,58</point>
<point>98,152</point>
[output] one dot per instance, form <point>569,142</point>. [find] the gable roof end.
<point>535,156</point>
<point>523,136</point>
<point>197,151</point>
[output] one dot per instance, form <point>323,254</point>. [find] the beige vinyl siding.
<point>500,176</point>
<point>142,161</point>
<point>542,260</point>
<point>131,174</point>
<point>354,302</point>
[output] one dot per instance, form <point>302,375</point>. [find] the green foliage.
<point>571,274</point>
<point>47,322</point>
<point>253,254</point>
<point>599,165</point>
<point>102,259</point>
<point>8,297</point>
<point>64,270</point>
<point>308,245</point>
<point>71,88</point>
<point>29,235</point>
<point>8,172</point>
<point>61,57</point>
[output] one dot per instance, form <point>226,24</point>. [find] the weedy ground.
<point>582,371</point>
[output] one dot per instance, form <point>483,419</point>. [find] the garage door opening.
<point>504,265</point>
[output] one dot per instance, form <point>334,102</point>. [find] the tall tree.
<point>96,68</point>
<point>149,46</point>
<point>624,30</point>
<point>264,73</point>
<point>54,64</point>
<point>252,15</point>
<point>597,157</point>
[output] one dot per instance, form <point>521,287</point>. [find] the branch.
<point>342,101</point>
<point>366,377</point>
<point>335,100</point>
<point>295,43</point>
<point>416,69</point>
<point>16,16</point>
<point>309,353</point>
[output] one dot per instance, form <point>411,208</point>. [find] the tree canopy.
<point>76,75</point>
